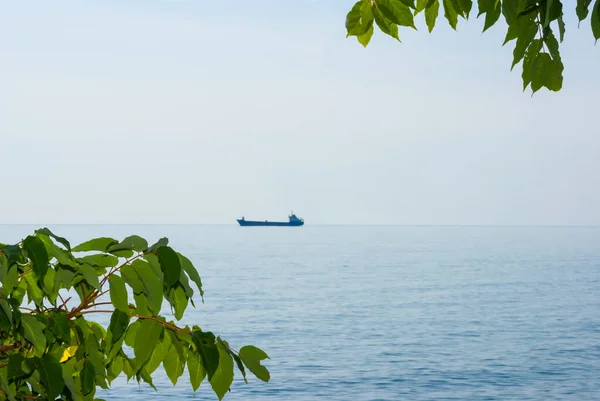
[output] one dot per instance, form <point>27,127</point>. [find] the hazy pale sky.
<point>148,111</point>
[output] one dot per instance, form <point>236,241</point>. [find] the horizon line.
<point>309,225</point>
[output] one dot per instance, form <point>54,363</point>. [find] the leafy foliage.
<point>50,351</point>
<point>531,24</point>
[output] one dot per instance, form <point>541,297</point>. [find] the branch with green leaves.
<point>530,23</point>
<point>49,350</point>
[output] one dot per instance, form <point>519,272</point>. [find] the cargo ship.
<point>293,222</point>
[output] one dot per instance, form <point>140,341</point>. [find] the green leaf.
<point>88,378</point>
<point>90,275</point>
<point>492,11</point>
<point>595,18</point>
<point>51,376</point>
<point>527,30</point>
<point>431,14</point>
<point>118,293</point>
<point>115,368</point>
<point>205,343</point>
<point>15,363</point>
<point>360,19</point>
<point>195,369</point>
<point>223,376</point>
<point>12,253</point>
<point>450,13</point>
<point>192,273</point>
<point>119,321</point>
<point>47,232</point>
<point>37,253</point>
<point>395,11</point>
<point>132,332</point>
<point>251,356</point>
<point>158,244</point>
<point>132,243</point>
<point>5,307</point>
<point>551,12</point>
<point>530,56</point>
<point>68,373</point>
<point>11,281</point>
<point>561,28</point>
<point>159,354</point>
<point>97,244</point>
<point>59,324</point>
<point>173,364</point>
<point>546,72</point>
<point>144,344</point>
<point>8,389</point>
<point>34,292</point>
<point>152,285</point>
<point>583,9</point>
<point>99,260</point>
<point>141,304</point>
<point>170,265</point>
<point>386,26</point>
<point>465,7</point>
<point>33,331</point>
<point>131,278</point>
<point>365,38</point>
<point>178,301</point>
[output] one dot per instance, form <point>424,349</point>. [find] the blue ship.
<point>293,222</point>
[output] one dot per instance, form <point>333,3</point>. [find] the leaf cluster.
<point>49,350</point>
<point>530,24</point>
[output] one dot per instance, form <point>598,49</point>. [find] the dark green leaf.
<point>527,30</point>
<point>158,244</point>
<point>133,243</point>
<point>51,376</point>
<point>561,28</point>
<point>492,11</point>
<point>546,72</point>
<point>143,374</point>
<point>552,12</point>
<point>118,293</point>
<point>431,14</point>
<point>170,265</point>
<point>47,232</point>
<point>5,307</point>
<point>450,13</point>
<point>530,56</point>
<point>88,378</point>
<point>33,332</point>
<point>595,18</point>
<point>144,344</point>
<point>386,26</point>
<point>396,12</point>
<point>251,356</point>
<point>205,343</point>
<point>152,285</point>
<point>97,244</point>
<point>510,11</point>
<point>195,369</point>
<point>223,376</point>
<point>99,260</point>
<point>11,281</point>
<point>12,253</point>
<point>37,253</point>
<point>59,324</point>
<point>192,273</point>
<point>583,9</point>
<point>15,363</point>
<point>117,327</point>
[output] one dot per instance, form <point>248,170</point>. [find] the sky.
<point>199,112</point>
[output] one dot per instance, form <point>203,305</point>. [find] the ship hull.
<point>249,223</point>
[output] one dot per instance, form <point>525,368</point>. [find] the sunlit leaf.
<point>118,293</point>
<point>251,356</point>
<point>223,377</point>
<point>195,369</point>
<point>144,344</point>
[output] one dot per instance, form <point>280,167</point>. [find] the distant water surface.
<point>391,313</point>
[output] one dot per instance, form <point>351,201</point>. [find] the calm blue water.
<point>393,313</point>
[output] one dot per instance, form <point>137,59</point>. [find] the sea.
<point>367,313</point>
